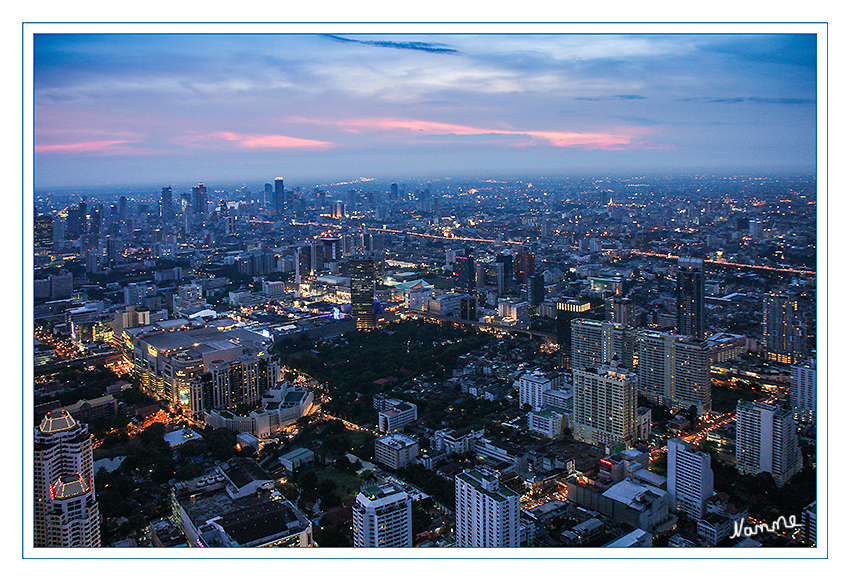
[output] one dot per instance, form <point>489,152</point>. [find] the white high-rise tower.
<point>487,511</point>
<point>382,517</point>
<point>65,508</point>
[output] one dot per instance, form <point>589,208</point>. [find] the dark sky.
<point>116,109</point>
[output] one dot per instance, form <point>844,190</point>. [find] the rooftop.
<point>57,421</point>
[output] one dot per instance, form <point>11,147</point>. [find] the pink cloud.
<point>554,138</point>
<point>270,141</point>
<point>107,146</point>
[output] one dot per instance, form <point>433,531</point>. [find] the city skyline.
<point>375,285</point>
<point>116,109</point>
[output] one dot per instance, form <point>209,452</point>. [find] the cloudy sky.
<point>134,109</point>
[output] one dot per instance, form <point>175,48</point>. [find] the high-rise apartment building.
<point>362,271</point>
<point>382,517</point>
<point>596,343</point>
<point>766,441</point>
<point>690,297</point>
<point>674,370</point>
<point>605,406</point>
<point>65,508</point>
<point>783,330</point>
<point>690,480</point>
<point>804,392</point>
<point>487,511</point>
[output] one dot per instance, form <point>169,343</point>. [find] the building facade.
<point>674,370</point>
<point>605,406</point>
<point>690,480</point>
<point>766,441</point>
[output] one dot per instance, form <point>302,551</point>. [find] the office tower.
<point>267,195</point>
<point>382,517</point>
<point>605,406</point>
<point>566,311</point>
<point>674,370</point>
<point>43,233</point>
<point>114,251</point>
<point>468,308</point>
<point>622,311</point>
<point>338,210</point>
<point>58,232</point>
<point>487,511</point>
<point>804,392</point>
<point>394,192</point>
<point>690,297</point>
<point>278,198</point>
<point>783,330</point>
<point>536,290</point>
<point>77,220</point>
<point>362,271</point>
<point>464,272</point>
<point>690,480</point>
<point>122,208</point>
<point>65,508</point>
<point>199,200</point>
<point>756,229</point>
<point>166,206</point>
<point>507,262</point>
<point>96,219</point>
<point>523,266</point>
<point>766,441</point>
<point>596,343</point>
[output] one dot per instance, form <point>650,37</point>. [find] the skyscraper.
<point>596,343</point>
<point>362,271</point>
<point>804,392</point>
<point>783,331</point>
<point>690,297</point>
<point>199,200</point>
<point>65,508</point>
<point>605,406</point>
<point>566,312</point>
<point>166,206</point>
<point>766,441</point>
<point>464,272</point>
<point>382,517</point>
<point>536,289</point>
<point>487,511</point>
<point>278,199</point>
<point>523,266</point>
<point>43,233</point>
<point>690,480</point>
<point>619,310</point>
<point>674,370</point>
